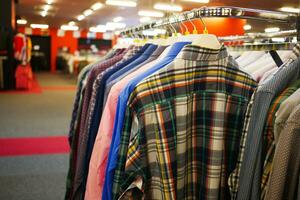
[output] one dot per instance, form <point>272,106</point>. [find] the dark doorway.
<point>100,44</point>
<point>41,51</point>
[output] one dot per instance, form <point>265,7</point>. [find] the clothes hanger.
<point>186,37</point>
<point>206,40</point>
<point>171,40</point>
<point>137,40</point>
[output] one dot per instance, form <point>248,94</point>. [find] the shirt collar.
<point>194,52</point>
<point>176,48</point>
<point>158,51</point>
<point>143,49</point>
<point>149,50</point>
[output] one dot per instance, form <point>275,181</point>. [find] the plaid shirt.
<point>189,117</point>
<point>234,178</point>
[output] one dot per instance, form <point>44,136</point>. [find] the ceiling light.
<point>49,2</point>
<point>150,13</point>
<point>247,27</point>
<point>99,28</point>
<point>168,7</point>
<point>21,21</point>
<point>44,13</point>
<point>272,30</point>
<point>149,33</point>
<point>125,3</point>
<point>80,17</point>
<point>87,12</point>
<point>112,25</point>
<point>41,26</point>
<point>97,6</point>
<point>117,19</point>
<point>197,1</point>
<point>290,9</point>
<point>278,39</point>
<point>47,7</point>
<point>145,19</point>
<point>71,23</point>
<point>69,28</point>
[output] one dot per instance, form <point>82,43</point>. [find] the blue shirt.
<point>120,114</point>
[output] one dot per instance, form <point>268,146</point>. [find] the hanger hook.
<point>131,33</point>
<point>185,26</point>
<point>194,27</point>
<point>179,23</point>
<point>205,31</point>
<point>175,31</point>
<point>170,28</point>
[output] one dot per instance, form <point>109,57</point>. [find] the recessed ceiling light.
<point>149,33</point>
<point>71,23</point>
<point>80,17</point>
<point>87,12</point>
<point>117,19</point>
<point>97,6</point>
<point>69,28</point>
<point>125,3</point>
<point>47,7</point>
<point>22,21</point>
<point>44,13</point>
<point>145,19</point>
<point>98,29</point>
<point>290,9</point>
<point>247,27</point>
<point>197,1</point>
<point>168,7</point>
<point>272,30</point>
<point>150,13</point>
<point>49,2</point>
<point>112,26</point>
<point>41,26</point>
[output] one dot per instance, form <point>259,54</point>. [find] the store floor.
<point>33,139</point>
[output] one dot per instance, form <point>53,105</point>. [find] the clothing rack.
<point>262,46</point>
<point>250,37</point>
<point>221,11</point>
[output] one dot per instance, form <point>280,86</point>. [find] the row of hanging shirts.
<point>175,119</point>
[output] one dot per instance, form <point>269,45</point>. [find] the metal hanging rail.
<point>219,11</point>
<point>254,36</point>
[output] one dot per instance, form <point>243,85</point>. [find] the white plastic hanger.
<point>173,39</point>
<point>206,40</point>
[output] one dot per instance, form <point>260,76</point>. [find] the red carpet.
<point>33,146</point>
<point>36,89</point>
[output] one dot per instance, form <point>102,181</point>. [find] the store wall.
<point>68,40</point>
<point>218,26</point>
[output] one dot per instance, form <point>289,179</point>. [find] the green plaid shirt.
<point>190,117</point>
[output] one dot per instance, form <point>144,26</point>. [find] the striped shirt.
<point>245,182</point>
<point>189,117</point>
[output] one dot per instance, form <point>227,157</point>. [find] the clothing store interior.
<point>149,99</point>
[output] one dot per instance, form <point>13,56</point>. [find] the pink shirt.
<point>98,162</point>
